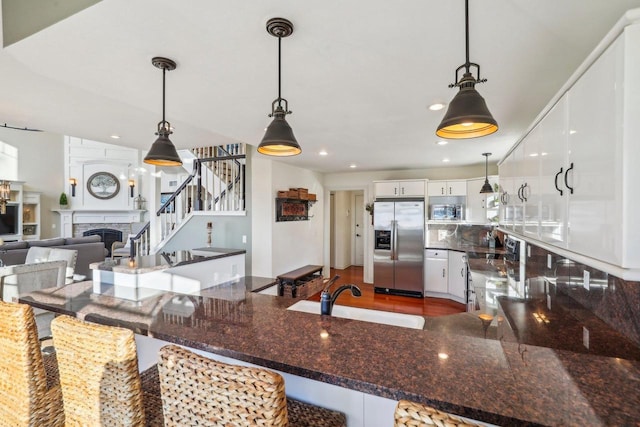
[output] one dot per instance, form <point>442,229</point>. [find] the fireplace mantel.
<point>69,217</point>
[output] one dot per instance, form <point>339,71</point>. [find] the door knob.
<point>357,235</point>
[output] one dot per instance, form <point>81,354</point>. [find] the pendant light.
<point>486,188</point>
<point>163,152</point>
<point>278,139</point>
<point>467,115</point>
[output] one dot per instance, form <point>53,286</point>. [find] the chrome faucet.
<point>327,299</point>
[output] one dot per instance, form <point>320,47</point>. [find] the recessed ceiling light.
<point>437,106</point>
<point>115,136</point>
<point>442,142</point>
<point>445,160</point>
<point>443,356</point>
<point>353,166</point>
<point>323,153</point>
<point>572,131</point>
<point>533,155</point>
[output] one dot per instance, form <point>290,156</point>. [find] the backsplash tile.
<point>615,301</point>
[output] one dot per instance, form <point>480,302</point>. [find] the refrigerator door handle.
<point>394,240</point>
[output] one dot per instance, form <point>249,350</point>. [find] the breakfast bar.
<point>374,365</point>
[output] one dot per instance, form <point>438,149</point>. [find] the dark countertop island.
<point>497,381</point>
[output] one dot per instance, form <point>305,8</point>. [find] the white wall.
<point>41,168</point>
<point>8,162</point>
<point>85,157</point>
<point>279,247</point>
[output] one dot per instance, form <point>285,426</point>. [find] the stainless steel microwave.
<point>447,212</point>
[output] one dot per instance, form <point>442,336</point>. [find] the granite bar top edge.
<point>162,261</point>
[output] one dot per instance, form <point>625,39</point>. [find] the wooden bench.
<point>298,277</point>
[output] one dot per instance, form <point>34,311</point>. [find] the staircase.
<point>216,184</point>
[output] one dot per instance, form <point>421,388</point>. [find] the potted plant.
<point>64,203</point>
<point>369,208</point>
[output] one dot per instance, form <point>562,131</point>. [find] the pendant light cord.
<point>279,72</point>
<point>467,64</point>
<point>164,70</point>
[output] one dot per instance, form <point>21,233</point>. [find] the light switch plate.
<point>586,279</point>
<point>244,238</point>
<point>549,260</point>
<point>585,337</point>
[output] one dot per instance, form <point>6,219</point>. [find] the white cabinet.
<point>445,274</point>
<point>575,174</point>
<point>553,166</point>
<point>599,151</point>
<point>435,271</point>
<point>413,188</point>
<point>457,268</point>
<point>481,208</point>
<point>447,188</point>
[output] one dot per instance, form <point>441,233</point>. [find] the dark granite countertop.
<point>498,381</point>
<point>164,260</point>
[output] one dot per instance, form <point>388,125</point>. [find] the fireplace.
<point>108,235</point>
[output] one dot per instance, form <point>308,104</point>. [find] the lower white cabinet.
<point>457,275</point>
<point>435,271</point>
<point>445,274</point>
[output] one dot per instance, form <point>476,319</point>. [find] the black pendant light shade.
<point>162,151</point>
<point>467,115</point>
<point>486,188</point>
<point>278,139</point>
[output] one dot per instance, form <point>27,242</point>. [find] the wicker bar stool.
<point>412,414</point>
<point>99,376</point>
<point>204,392</point>
<point>29,387</point>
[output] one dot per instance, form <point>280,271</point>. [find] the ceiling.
<point>359,75</point>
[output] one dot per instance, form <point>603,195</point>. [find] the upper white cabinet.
<point>447,188</point>
<point>412,188</point>
<point>482,208</point>
<point>572,181</point>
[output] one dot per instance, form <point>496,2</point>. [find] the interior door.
<point>360,229</point>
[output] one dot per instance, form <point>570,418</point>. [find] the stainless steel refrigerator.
<point>398,254</point>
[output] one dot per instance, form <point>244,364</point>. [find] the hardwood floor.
<point>421,306</point>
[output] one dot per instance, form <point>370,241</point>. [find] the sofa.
<point>90,249</point>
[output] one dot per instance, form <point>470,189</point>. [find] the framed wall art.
<point>292,210</point>
<point>103,185</point>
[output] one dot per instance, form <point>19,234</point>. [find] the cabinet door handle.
<point>395,191</point>
<point>524,187</point>
<point>556,181</point>
<point>519,193</point>
<point>566,183</point>
<point>462,272</point>
<point>443,272</point>
<point>450,191</point>
<point>402,188</point>
<point>442,191</point>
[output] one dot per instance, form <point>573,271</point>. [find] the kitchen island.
<point>496,381</point>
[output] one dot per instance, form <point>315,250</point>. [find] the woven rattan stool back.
<point>200,391</point>
<point>411,414</point>
<point>25,397</point>
<point>98,374</point>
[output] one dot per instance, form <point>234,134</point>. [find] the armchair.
<point>18,279</point>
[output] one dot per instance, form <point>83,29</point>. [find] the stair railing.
<point>194,195</point>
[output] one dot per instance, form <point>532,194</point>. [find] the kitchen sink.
<point>363,314</point>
